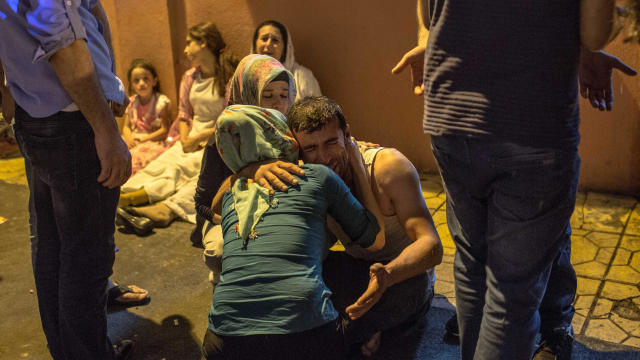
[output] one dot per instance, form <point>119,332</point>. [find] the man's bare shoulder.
<point>392,168</point>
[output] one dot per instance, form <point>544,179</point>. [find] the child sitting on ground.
<point>147,120</point>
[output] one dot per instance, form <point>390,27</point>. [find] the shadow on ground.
<point>172,338</point>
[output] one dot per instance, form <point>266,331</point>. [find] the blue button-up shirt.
<point>31,31</point>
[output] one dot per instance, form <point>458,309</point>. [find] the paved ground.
<point>606,252</point>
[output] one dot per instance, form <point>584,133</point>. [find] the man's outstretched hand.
<point>415,59</point>
<point>378,284</point>
<point>595,76</point>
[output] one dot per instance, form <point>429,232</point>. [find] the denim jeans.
<point>508,211</point>
<point>556,310</point>
<point>72,224</point>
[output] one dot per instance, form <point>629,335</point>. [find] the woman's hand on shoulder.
<point>272,174</point>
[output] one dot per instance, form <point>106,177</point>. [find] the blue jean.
<point>556,310</point>
<point>508,211</point>
<point>72,224</point>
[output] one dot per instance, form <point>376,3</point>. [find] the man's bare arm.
<point>401,183</point>
<point>598,23</point>
<point>424,17</point>
<point>8,105</point>
<point>98,12</point>
<point>76,73</point>
<point>414,58</point>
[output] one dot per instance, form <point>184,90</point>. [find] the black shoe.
<point>123,349</point>
<point>140,225</point>
<point>557,345</point>
<point>452,335</point>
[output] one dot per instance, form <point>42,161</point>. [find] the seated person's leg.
<point>401,304</point>
<point>212,346</point>
<point>346,277</point>
<point>159,213</point>
<point>138,197</point>
<point>212,240</point>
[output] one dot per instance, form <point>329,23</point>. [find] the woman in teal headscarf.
<point>258,80</point>
<point>271,300</point>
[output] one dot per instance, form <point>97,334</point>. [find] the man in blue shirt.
<point>59,68</point>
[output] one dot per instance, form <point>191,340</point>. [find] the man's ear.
<point>347,131</point>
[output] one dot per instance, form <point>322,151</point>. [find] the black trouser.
<point>72,225</point>
<point>322,343</point>
<point>401,304</point>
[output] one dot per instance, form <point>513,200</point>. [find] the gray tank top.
<point>395,234</point>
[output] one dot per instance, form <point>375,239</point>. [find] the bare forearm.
<point>424,20</point>
<point>206,134</point>
<point>7,99</point>
<point>414,260</point>
<point>126,132</point>
<point>161,133</point>
<point>184,131</point>
<point>76,73</point>
<point>598,22</point>
<point>157,135</point>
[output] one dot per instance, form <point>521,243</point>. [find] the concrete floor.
<point>606,252</point>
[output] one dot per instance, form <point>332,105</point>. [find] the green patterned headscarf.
<point>246,134</point>
<point>252,74</point>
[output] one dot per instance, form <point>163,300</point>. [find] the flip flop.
<point>115,302</point>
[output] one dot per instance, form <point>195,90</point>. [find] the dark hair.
<point>283,32</point>
<point>208,34</point>
<point>143,64</point>
<point>313,113</point>
<point>283,76</point>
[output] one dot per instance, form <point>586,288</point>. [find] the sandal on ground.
<point>120,297</point>
<point>139,224</point>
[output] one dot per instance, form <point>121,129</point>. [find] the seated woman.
<point>271,300</point>
<point>273,39</point>
<point>172,177</point>
<point>258,80</point>
<point>147,122</point>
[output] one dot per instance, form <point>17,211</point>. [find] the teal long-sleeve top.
<point>275,285</point>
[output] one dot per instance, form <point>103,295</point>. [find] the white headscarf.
<point>306,83</point>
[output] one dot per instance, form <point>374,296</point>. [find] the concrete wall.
<point>351,47</point>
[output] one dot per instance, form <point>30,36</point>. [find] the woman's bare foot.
<point>159,213</point>
<point>371,346</point>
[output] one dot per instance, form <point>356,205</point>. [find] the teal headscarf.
<point>247,134</point>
